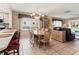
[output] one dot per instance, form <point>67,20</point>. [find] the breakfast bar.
<point>5,38</point>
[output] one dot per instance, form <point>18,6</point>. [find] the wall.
<point>65,23</point>
<point>15,21</point>
<point>50,23</point>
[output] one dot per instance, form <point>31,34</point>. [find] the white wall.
<point>4,7</point>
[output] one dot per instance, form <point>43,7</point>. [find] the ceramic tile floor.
<point>56,48</point>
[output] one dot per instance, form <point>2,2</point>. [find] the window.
<point>57,23</point>
<point>74,25</point>
<point>29,23</point>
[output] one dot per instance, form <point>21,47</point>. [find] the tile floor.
<point>56,48</point>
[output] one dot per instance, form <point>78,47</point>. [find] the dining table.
<point>38,32</point>
<point>38,35</point>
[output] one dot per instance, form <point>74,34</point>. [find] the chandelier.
<point>36,14</point>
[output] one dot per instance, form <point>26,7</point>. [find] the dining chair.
<point>44,40</point>
<point>33,39</point>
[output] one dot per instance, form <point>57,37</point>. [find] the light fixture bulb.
<point>33,13</point>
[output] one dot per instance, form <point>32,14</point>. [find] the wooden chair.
<point>44,40</point>
<point>33,39</point>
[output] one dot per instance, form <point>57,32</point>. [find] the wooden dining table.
<point>38,35</point>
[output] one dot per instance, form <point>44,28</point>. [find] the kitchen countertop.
<point>5,37</point>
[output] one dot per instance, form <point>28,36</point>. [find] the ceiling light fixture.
<point>36,14</point>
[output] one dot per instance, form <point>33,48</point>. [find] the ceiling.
<point>50,9</point>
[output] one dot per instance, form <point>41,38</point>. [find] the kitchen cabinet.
<point>58,35</point>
